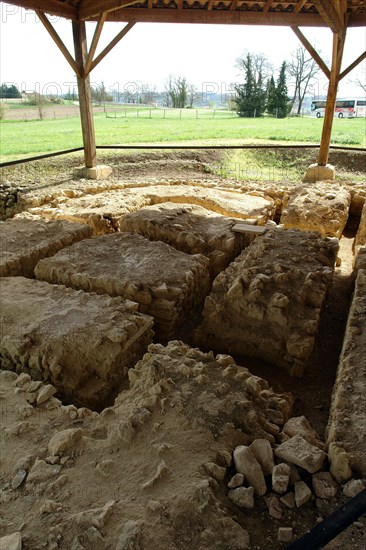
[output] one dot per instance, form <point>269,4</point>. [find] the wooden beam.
<point>210,4</point>
<point>111,45</point>
<point>52,7</point>
<point>300,5</point>
<point>95,40</point>
<point>330,15</point>
<point>314,54</point>
<point>268,5</point>
<point>92,8</point>
<point>352,65</point>
<point>217,17</point>
<point>233,5</point>
<point>58,42</point>
<point>337,53</point>
<point>85,104</point>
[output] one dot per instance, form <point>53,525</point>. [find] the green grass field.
<point>21,139</point>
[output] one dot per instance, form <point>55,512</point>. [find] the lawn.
<point>20,139</point>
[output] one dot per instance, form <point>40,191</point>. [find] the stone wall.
<point>81,343</point>
<point>346,431</point>
<point>268,301</point>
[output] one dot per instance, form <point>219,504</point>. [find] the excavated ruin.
<point>111,441</point>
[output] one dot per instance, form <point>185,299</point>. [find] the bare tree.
<point>193,95</point>
<point>147,94</point>
<point>39,101</point>
<point>100,95</point>
<point>262,68</point>
<point>303,69</point>
<point>360,80</point>
<point>176,89</point>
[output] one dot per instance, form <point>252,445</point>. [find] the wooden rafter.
<point>352,65</point>
<point>233,5</point>
<point>58,42</point>
<point>95,40</point>
<point>92,8</point>
<point>54,7</point>
<point>268,5</point>
<point>111,45</point>
<point>300,5</point>
<point>314,54</point>
<point>330,14</point>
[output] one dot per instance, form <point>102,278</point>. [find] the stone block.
<point>298,451</point>
<point>346,430</point>
<point>318,207</point>
<point>302,493</point>
<point>166,283</point>
<point>267,303</point>
<point>99,172</point>
<point>83,344</point>
<point>316,172</point>
<point>324,485</point>
<point>191,229</point>
<point>23,242</point>
<point>246,464</point>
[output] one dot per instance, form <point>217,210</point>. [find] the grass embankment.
<point>20,139</point>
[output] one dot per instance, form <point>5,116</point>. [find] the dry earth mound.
<point>268,301</point>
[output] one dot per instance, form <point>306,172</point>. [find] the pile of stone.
<point>166,283</point>
<point>23,242</point>
<point>360,242</point>
<point>317,208</point>
<point>267,303</point>
<point>81,343</point>
<point>8,200</point>
<point>191,229</point>
<point>288,475</point>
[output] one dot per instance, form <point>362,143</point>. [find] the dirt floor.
<point>150,489</point>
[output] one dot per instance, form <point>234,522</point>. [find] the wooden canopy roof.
<point>314,13</point>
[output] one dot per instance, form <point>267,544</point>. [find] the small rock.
<point>288,500</point>
<point>41,471</point>
<point>45,393</point>
<point>246,464</point>
<point>300,452</point>
<point>18,479</point>
<point>105,468</point>
<point>353,487</point>
<point>64,440</point>
<point>274,506</point>
<point>298,425</point>
<point>53,459</point>
<point>24,463</point>
<point>22,379</point>
<point>236,481</point>
<point>215,471</point>
<point>129,538</point>
<point>285,534</point>
<point>262,450</point>
<point>280,477</point>
<point>64,459</point>
<point>11,542</point>
<point>324,485</point>
<point>34,386</point>
<point>242,497</point>
<point>302,493</point>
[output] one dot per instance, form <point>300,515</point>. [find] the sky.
<point>150,52</point>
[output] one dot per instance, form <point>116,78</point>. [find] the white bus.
<point>345,108</point>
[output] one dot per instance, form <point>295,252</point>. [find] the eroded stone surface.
<point>82,343</point>
<point>346,430</point>
<point>267,303</point>
<point>99,490</point>
<point>191,229</point>
<point>165,282</point>
<point>103,210</point>
<point>23,242</point>
<point>317,208</point>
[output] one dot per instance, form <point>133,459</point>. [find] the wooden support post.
<point>85,103</point>
<point>337,53</point>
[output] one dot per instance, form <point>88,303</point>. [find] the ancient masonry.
<point>166,283</point>
<point>191,229</point>
<point>346,432</point>
<point>81,343</point>
<point>103,210</point>
<point>23,242</point>
<point>268,301</point>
